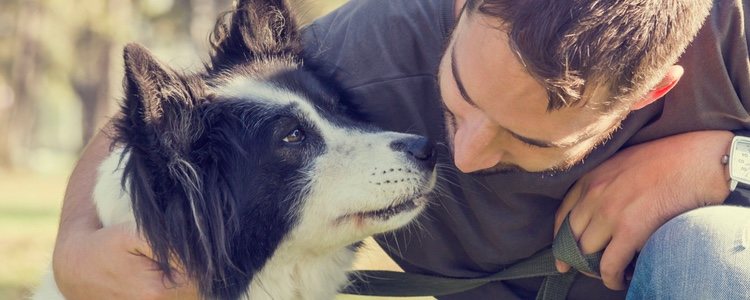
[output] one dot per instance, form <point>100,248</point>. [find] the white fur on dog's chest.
<point>300,276</point>
<point>113,204</point>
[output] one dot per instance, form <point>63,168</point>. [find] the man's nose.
<point>474,148</point>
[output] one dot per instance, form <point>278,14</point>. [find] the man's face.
<point>496,112</point>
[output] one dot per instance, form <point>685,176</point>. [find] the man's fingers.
<point>595,237</point>
<point>185,288</point>
<point>180,287</point>
<point>561,266</point>
<point>131,239</point>
<point>616,258</point>
<point>570,201</point>
<point>579,220</point>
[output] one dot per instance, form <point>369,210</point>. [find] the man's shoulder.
<point>381,37</point>
<point>728,14</point>
<point>370,16</point>
<point>714,91</point>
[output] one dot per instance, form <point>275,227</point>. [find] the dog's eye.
<point>296,136</point>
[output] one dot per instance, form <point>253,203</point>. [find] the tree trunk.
<point>17,138</point>
<point>92,80</point>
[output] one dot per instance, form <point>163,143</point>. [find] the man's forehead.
<point>493,34</point>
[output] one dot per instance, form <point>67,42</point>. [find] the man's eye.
<point>531,145</point>
<point>295,136</point>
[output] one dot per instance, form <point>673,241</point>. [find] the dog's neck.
<point>294,275</point>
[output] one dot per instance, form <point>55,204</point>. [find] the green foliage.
<point>29,209</point>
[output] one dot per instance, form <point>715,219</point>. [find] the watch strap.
<point>742,185</point>
<point>740,195</point>
<point>741,132</point>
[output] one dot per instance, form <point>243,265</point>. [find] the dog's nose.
<point>419,148</point>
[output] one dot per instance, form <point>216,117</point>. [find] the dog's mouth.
<point>390,211</point>
<point>412,203</point>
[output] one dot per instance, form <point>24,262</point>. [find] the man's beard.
<point>507,168</point>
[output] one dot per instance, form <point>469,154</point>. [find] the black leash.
<point>555,285</point>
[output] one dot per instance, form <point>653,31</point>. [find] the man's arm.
<point>78,211</point>
<point>91,262</point>
<point>618,205</point>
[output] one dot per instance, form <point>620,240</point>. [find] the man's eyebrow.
<point>545,144</point>
<point>457,78</point>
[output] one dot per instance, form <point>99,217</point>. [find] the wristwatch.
<point>739,163</point>
<point>739,169</point>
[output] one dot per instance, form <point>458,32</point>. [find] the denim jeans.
<point>701,254</point>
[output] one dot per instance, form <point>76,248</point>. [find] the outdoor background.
<point>60,78</point>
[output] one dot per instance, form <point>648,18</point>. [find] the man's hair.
<point>623,45</point>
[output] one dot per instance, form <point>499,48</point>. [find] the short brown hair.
<point>625,45</point>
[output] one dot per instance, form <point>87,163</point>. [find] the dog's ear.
<point>255,28</point>
<point>158,102</point>
<point>151,87</point>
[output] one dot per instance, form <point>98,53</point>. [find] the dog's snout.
<point>421,149</point>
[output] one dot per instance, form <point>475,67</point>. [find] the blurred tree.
<point>203,18</point>
<point>91,80</point>
<point>18,119</point>
<point>101,28</point>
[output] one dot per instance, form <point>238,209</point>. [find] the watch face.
<point>739,164</point>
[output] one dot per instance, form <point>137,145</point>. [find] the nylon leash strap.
<point>555,285</point>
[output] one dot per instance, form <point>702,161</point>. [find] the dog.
<point>252,175</point>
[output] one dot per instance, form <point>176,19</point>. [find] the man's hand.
<point>619,204</point>
<point>113,263</point>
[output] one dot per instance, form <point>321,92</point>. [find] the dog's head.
<point>227,166</point>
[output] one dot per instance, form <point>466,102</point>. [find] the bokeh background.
<point>60,79</point>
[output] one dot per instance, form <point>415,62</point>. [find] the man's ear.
<point>670,79</point>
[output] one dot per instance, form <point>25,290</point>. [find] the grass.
<point>29,211</point>
<point>29,206</point>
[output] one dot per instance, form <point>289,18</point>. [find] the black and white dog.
<point>250,175</point>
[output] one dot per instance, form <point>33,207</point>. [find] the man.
<point>550,108</point>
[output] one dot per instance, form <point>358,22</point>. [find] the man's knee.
<point>701,254</point>
<point>716,229</point>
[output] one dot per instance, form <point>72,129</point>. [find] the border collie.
<point>251,174</point>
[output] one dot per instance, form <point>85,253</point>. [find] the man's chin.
<point>505,168</point>
<point>501,169</point>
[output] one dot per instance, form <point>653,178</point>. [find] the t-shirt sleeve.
<point>384,54</point>
<point>714,92</point>
<point>367,41</point>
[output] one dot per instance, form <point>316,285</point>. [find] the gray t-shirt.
<point>385,54</point>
